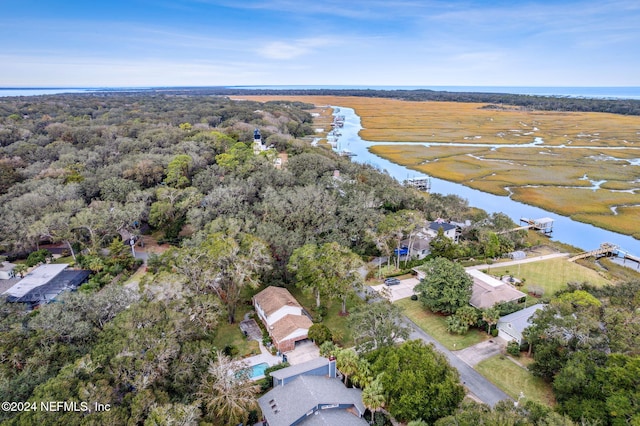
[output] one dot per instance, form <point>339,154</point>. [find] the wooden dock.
<point>607,249</point>
<point>421,184</point>
<point>544,225</point>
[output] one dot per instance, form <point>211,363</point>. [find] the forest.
<point>495,100</point>
<point>90,171</point>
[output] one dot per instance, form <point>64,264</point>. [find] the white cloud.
<point>283,50</point>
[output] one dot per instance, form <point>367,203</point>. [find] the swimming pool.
<point>258,370</point>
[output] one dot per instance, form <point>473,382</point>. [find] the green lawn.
<point>436,326</point>
<point>513,379</point>
<point>339,325</point>
<point>231,335</point>
<point>551,275</point>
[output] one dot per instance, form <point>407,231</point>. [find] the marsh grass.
<point>549,176</point>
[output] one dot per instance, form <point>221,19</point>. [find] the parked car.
<point>391,281</point>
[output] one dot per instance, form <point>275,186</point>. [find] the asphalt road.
<point>475,383</point>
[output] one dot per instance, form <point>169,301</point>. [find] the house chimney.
<point>332,367</point>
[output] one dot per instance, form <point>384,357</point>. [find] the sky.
<point>148,43</point>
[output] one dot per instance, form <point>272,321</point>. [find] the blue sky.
<point>69,43</point>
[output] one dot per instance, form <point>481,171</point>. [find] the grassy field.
<point>551,275</point>
<point>546,175</point>
<point>436,326</point>
<point>513,379</point>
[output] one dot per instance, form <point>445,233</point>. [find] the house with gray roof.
<point>510,327</point>
<point>310,394</point>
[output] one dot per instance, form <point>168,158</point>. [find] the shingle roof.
<point>445,226</point>
<point>487,291</point>
<point>520,320</point>
<point>283,405</point>
<point>273,298</point>
<point>298,369</point>
<point>288,324</point>
<point>333,418</point>
<point>416,244</point>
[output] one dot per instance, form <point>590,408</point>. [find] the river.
<point>566,230</point>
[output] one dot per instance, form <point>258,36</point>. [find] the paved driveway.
<point>400,291</point>
<point>482,389</point>
<point>303,352</point>
<point>473,355</point>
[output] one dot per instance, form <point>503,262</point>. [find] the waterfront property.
<point>487,291</point>
<point>311,394</point>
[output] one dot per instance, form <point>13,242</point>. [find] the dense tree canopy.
<point>446,286</point>
<point>418,381</point>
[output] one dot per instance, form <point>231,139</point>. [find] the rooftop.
<point>445,226</point>
<point>295,370</point>
<point>39,276</point>
<point>520,320</point>
<point>487,290</point>
<point>288,324</point>
<point>7,266</point>
<point>286,405</point>
<point>45,293</point>
<point>273,298</point>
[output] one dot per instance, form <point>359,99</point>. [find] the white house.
<point>282,316</point>
<point>6,270</point>
<point>450,230</point>
<point>510,327</point>
<point>274,303</point>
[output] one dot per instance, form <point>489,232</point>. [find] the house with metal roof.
<point>45,283</point>
<point>510,327</point>
<point>310,394</point>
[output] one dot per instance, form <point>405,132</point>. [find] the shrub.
<point>494,332</point>
<point>414,297</point>
<point>513,348</point>
<point>320,333</point>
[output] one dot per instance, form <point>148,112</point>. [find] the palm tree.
<point>373,397</point>
<point>491,317</point>
<point>227,392</point>
<point>347,362</point>
<point>363,375</point>
<point>20,269</point>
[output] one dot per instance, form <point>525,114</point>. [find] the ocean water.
<point>579,92</point>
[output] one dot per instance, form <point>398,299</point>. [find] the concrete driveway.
<point>400,291</point>
<point>303,352</point>
<point>473,355</point>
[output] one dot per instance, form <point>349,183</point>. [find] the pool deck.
<point>265,356</point>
